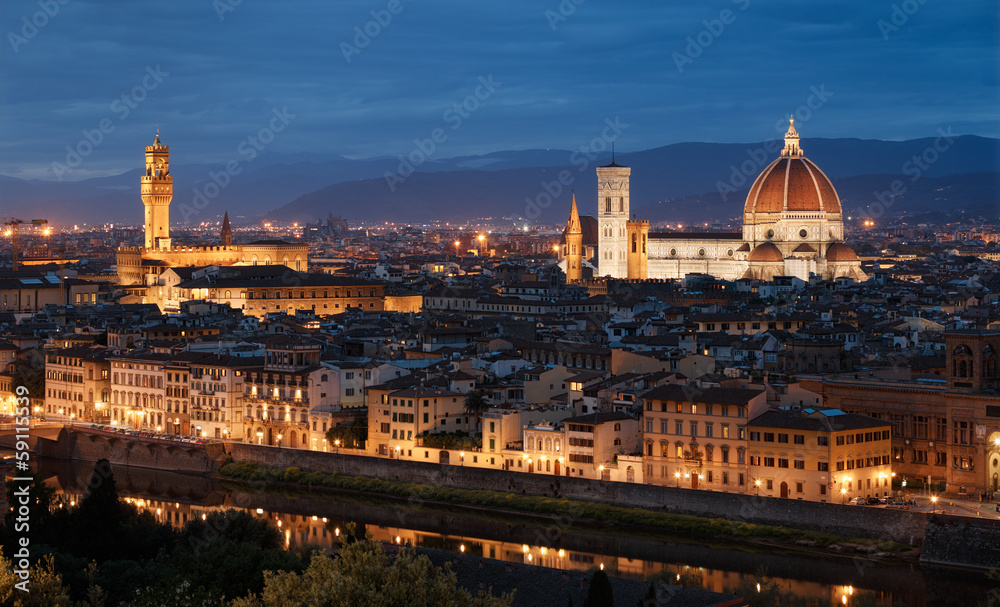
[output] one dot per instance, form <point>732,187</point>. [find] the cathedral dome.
<point>839,252</point>
<point>792,183</point>
<point>766,252</point>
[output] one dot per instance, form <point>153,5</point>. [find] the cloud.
<point>226,75</point>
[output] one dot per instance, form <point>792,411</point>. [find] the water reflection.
<point>321,521</point>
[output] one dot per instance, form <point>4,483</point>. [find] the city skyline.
<point>369,79</point>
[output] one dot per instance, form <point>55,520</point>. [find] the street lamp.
<point>933,503</point>
<point>336,444</point>
<point>458,243</point>
<point>461,457</point>
<point>677,480</point>
<point>843,495</point>
<point>756,485</point>
<point>279,441</point>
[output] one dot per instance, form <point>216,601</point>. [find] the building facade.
<point>792,226</point>
<point>142,265</point>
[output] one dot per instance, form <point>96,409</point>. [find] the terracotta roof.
<point>766,252</point>
<point>804,248</point>
<point>792,184</point>
<point>841,252</point>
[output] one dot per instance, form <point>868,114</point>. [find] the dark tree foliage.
<point>352,435</point>
<point>600,594</point>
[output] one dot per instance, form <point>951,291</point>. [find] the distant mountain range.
<point>684,182</point>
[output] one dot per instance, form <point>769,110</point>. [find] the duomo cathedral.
<point>793,225</point>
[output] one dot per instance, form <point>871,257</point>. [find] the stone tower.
<point>612,217</point>
<point>227,232</point>
<point>574,246</point>
<point>157,192</point>
<point>637,257</point>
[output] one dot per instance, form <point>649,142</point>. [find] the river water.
<point>319,520</point>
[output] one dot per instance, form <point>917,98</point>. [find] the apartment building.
<point>696,437</point>
<point>819,454</point>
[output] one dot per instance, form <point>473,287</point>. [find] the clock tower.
<point>157,190</point>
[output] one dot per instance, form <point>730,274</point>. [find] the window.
<point>961,433</point>
<point>823,441</point>
<point>940,458</point>
<point>754,435</point>
<point>708,430</point>
<point>782,462</point>
<point>783,438</point>
<point>679,427</point>
<point>800,464</point>
<point>754,460</point>
<point>663,427</point>
<point>694,428</point>
<point>800,439</point>
<point>769,437</point>
<point>822,466</point>
<point>725,430</point>
<point>770,485</point>
<point>349,392</point>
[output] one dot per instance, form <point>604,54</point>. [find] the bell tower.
<point>612,217</point>
<point>574,246</point>
<point>157,190</point>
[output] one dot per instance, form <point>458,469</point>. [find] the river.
<point>319,520</point>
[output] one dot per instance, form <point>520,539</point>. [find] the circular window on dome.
<point>701,252</point>
<point>673,252</point>
<point>770,233</point>
<point>803,233</point>
<point>729,252</point>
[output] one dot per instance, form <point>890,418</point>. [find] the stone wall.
<point>963,541</point>
<point>128,451</point>
<point>853,521</point>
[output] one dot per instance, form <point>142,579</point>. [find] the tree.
<point>475,404</point>
<point>363,574</point>
<point>353,435</point>
<point>29,371</point>
<point>45,588</point>
<point>600,594</point>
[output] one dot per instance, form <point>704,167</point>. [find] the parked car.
<point>858,501</point>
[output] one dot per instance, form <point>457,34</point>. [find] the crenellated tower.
<point>637,257</point>
<point>157,191</point>
<point>227,232</point>
<point>612,217</point>
<point>574,246</point>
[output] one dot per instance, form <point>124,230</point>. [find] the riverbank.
<point>565,513</point>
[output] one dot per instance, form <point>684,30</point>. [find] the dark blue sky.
<point>223,70</point>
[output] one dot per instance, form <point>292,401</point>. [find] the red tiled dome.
<point>766,252</point>
<point>840,252</point>
<point>792,184</point>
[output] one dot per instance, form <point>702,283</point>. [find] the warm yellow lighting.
<point>524,548</point>
<point>481,238</point>
<point>461,548</point>
<point>398,540</point>
<point>562,553</point>
<point>757,482</point>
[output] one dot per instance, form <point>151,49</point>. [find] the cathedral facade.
<point>143,265</point>
<point>793,225</point>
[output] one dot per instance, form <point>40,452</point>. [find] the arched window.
<point>635,242</point>
<point>607,204</point>
<point>229,295</point>
<point>531,443</point>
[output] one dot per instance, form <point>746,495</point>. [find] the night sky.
<point>547,75</point>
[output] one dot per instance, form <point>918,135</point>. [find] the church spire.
<point>227,232</point>
<point>573,225</point>
<point>792,148</point>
